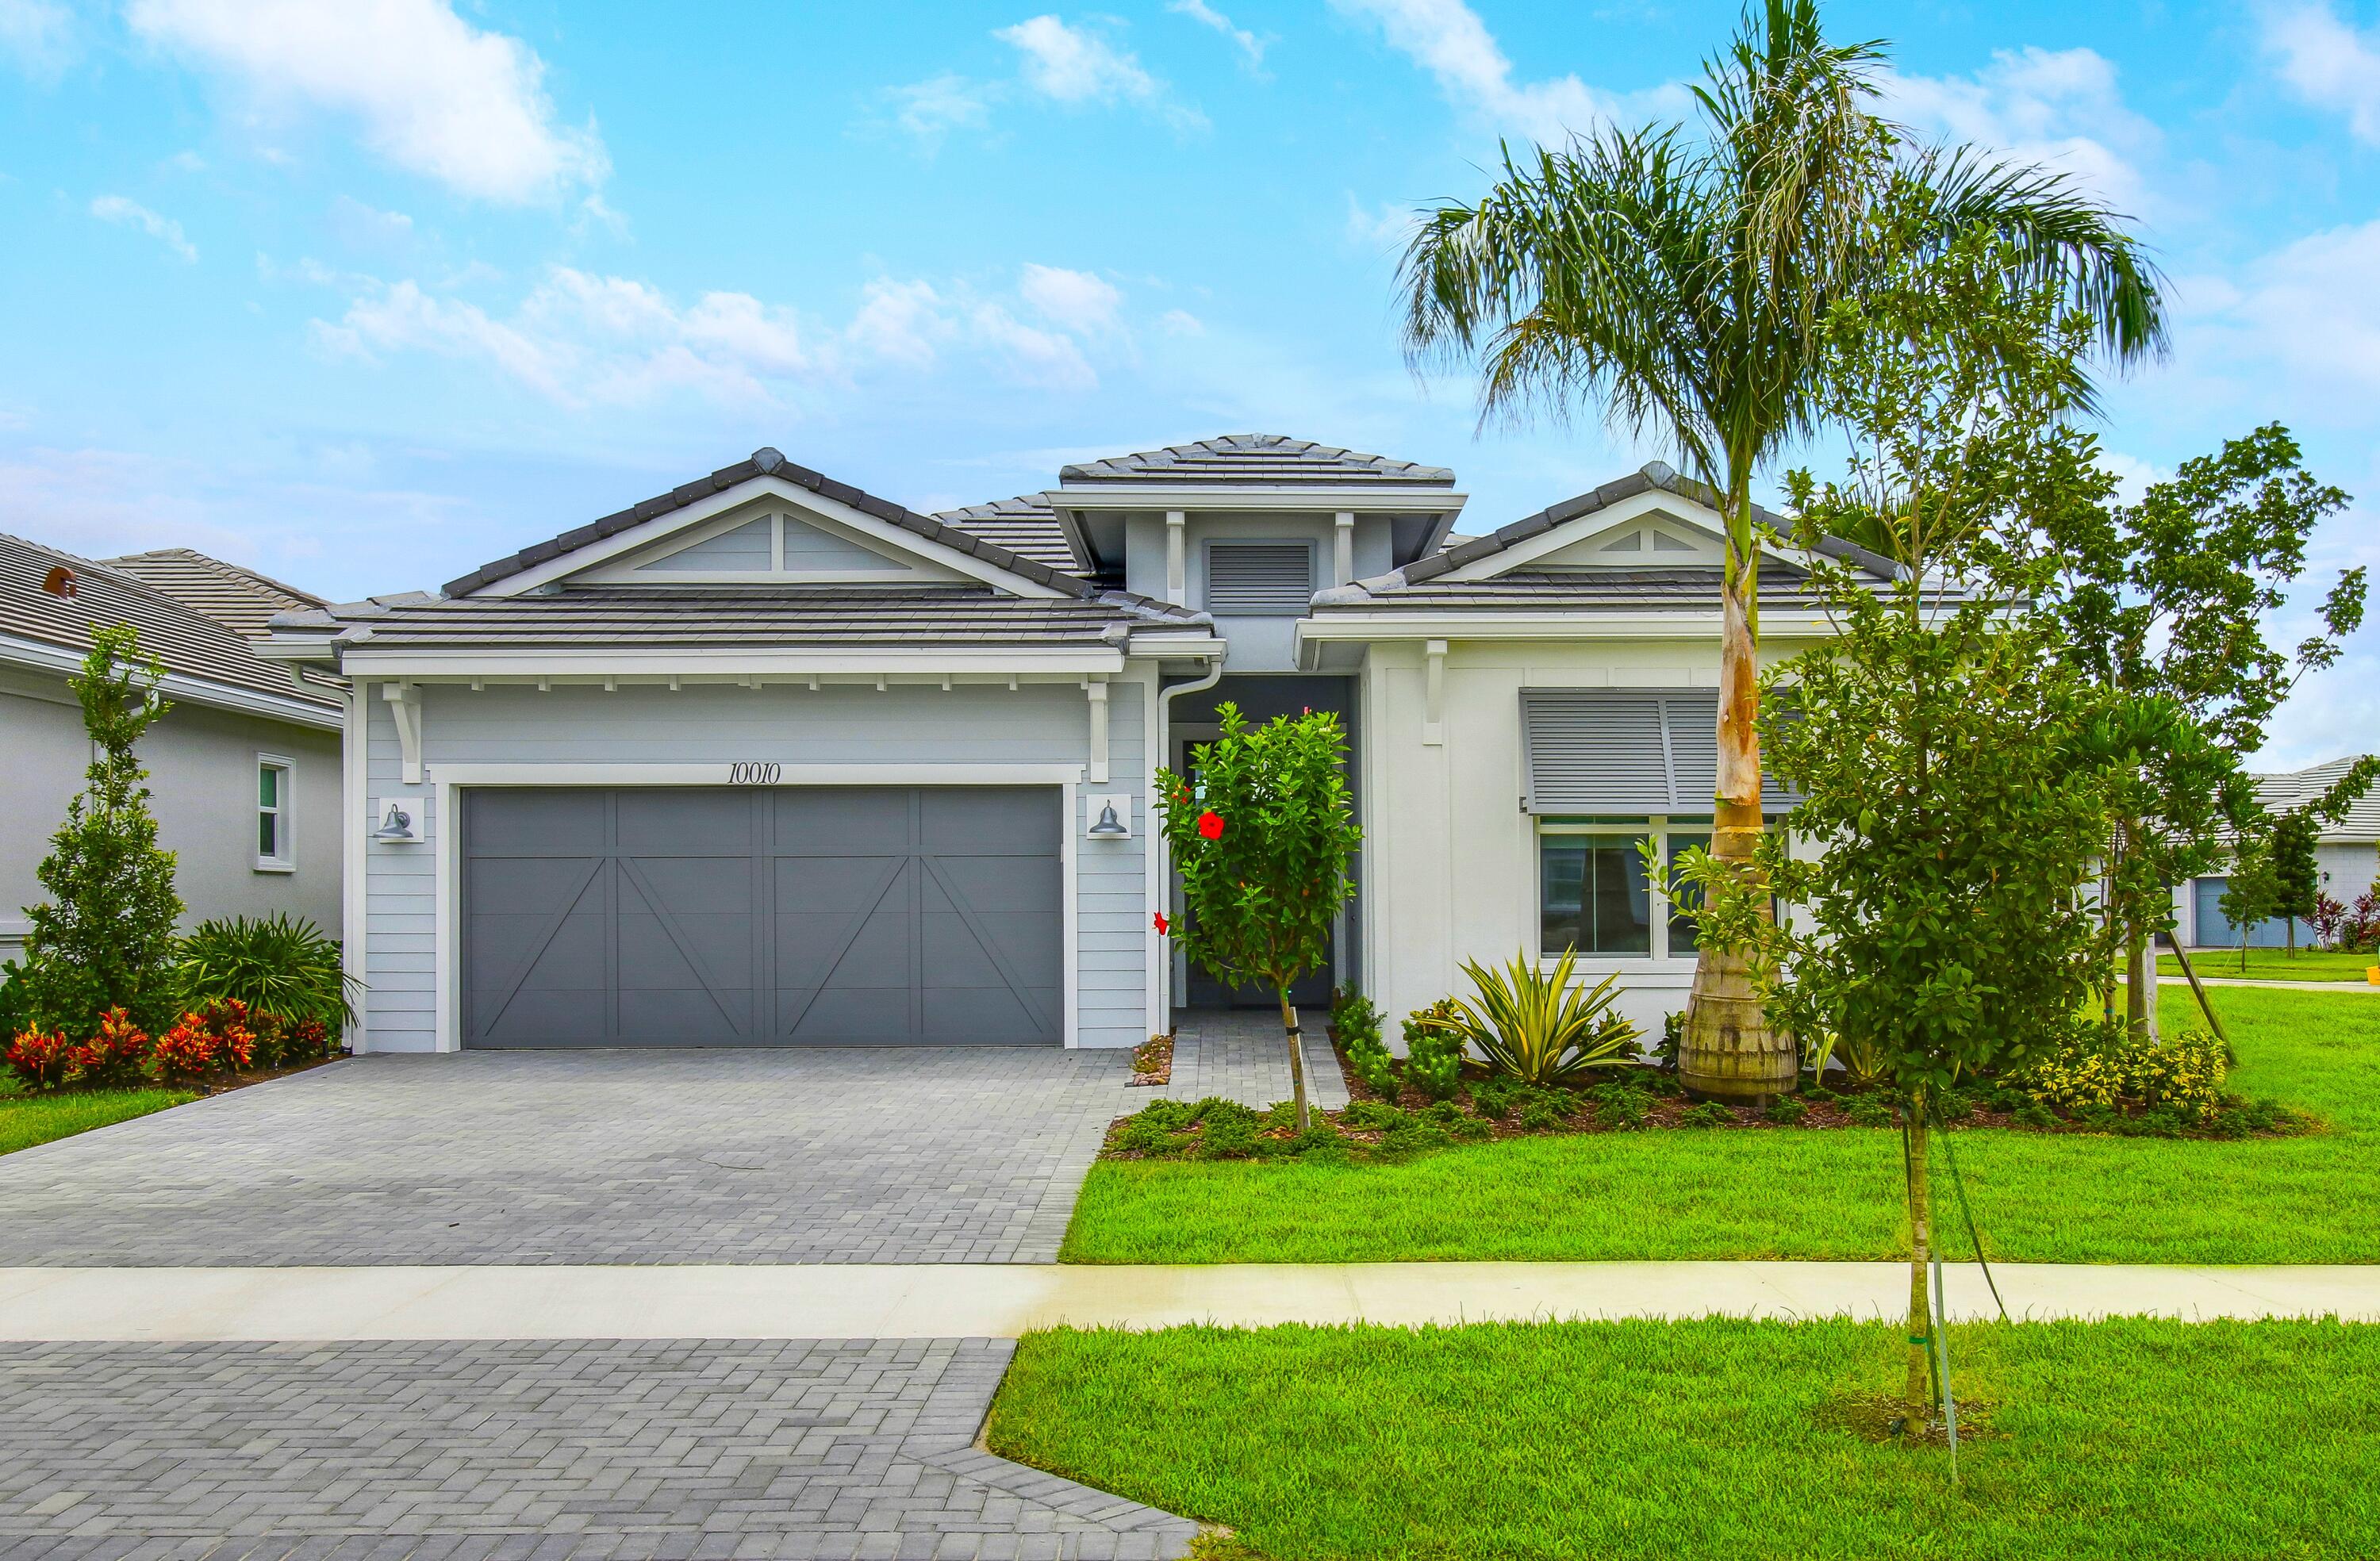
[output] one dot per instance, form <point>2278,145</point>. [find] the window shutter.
<point>1269,578</point>
<point>1624,750</point>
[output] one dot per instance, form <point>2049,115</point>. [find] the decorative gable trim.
<point>1666,530</point>
<point>569,556</point>
<point>766,544</point>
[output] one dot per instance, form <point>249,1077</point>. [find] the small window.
<point>277,845</point>
<point>1595,897</point>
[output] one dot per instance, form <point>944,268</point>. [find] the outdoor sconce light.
<point>1110,823</point>
<point>397,821</point>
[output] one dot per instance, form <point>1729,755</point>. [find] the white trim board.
<point>727,663</point>
<point>42,656</point>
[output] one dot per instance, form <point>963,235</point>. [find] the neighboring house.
<point>2347,857</point>
<point>244,766</point>
<point>768,760</point>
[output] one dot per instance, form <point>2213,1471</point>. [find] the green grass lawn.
<point>2272,965</point>
<point>30,1119</point>
<point>1756,1194</point>
<point>1611,1440</point>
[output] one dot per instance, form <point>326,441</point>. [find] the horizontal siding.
<point>972,724</point>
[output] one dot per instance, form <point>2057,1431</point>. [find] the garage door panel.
<point>890,916</point>
<point>841,821</point>
<point>988,820</point>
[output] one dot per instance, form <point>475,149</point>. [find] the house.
<point>769,761</point>
<point>2346,853</point>
<point>244,767</point>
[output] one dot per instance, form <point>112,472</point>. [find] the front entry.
<point>925,915</point>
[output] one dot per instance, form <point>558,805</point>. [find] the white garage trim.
<point>449,778</point>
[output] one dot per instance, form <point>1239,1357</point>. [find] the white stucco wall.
<point>1452,859</point>
<point>1038,723</point>
<point>201,765</point>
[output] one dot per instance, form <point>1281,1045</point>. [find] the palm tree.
<point>1680,279</point>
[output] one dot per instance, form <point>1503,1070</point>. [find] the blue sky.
<point>366,294</point>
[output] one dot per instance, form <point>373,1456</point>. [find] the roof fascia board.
<point>1459,623</point>
<point>42,656</point>
<point>726,661</point>
<point>1373,499</point>
<point>606,549</point>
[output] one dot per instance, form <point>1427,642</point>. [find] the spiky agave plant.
<point>1539,1025</point>
<point>278,964</point>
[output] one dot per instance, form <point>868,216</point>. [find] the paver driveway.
<point>958,1154</point>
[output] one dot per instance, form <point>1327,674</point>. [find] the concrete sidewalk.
<point>2284,986</point>
<point>1003,1300</point>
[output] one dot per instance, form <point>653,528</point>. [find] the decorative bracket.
<point>405,710</point>
<point>1097,689</point>
<point>1433,712</point>
<point>1177,560</point>
<point>1342,549</point>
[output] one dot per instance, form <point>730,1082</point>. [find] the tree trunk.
<point>1730,1049</point>
<point>1296,1056</point>
<point>2140,990</point>
<point>1918,1396</point>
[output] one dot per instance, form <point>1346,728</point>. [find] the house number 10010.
<point>747,773</point>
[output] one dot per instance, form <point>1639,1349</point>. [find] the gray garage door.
<point>793,916</point>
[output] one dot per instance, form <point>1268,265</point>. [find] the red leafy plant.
<point>115,1057</point>
<point>41,1060</point>
<point>211,1039</point>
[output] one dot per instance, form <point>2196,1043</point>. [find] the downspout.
<point>1162,891</point>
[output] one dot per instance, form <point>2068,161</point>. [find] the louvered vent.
<point>1249,578</point>
<point>1624,750</point>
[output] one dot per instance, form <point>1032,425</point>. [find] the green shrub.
<point>1372,1116</point>
<point>1492,1098</point>
<point>1619,1110</point>
<point>1786,1110</point>
<point>1415,1137</point>
<point>276,965</point>
<point>1227,1138</point>
<point>2104,1069</point>
<point>1537,1025</point>
<point>15,1017</point>
<point>2033,1114</point>
<point>1434,1050</point>
<point>1709,1113</point>
<point>1870,1111</point>
<point>1673,1035</point>
<point>1358,1025</point>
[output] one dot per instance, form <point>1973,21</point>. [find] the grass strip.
<point>2131,1438</point>
<point>30,1119</point>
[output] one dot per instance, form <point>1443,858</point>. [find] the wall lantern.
<point>400,821</point>
<point>1111,817</point>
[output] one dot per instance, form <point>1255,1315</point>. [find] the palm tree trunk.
<point>1917,1397</point>
<point>1731,1050</point>
<point>1296,1056</point>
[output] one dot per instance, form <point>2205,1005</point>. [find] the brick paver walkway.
<point>1241,1054</point>
<point>941,1155</point>
<point>546,1451</point>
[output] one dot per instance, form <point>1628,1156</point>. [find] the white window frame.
<point>1655,825</point>
<point>285,834</point>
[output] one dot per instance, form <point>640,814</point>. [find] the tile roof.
<point>1025,525</point>
<point>766,462</point>
<point>657,616</point>
<point>1256,458</point>
<point>239,598</point>
<point>188,642</point>
<point>2290,789</point>
<point>1685,587</point>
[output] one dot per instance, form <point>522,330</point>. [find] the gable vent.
<point>1624,750</point>
<point>1248,578</point>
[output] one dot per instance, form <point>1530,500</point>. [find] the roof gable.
<point>1256,458</point>
<point>770,540</point>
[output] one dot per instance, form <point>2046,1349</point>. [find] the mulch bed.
<point>1153,1060</point>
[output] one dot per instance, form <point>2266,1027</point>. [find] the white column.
<point>1177,562</point>
<point>356,824</point>
<point>1343,550</point>
<point>1096,688</point>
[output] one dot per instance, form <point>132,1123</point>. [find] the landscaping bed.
<point>1617,1440</point>
<point>2051,1196</point>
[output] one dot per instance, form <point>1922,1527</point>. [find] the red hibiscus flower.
<point>1164,926</point>
<point>1210,824</point>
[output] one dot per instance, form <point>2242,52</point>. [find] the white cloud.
<point>1447,39</point>
<point>165,230</point>
<point>931,109</point>
<point>1181,322</point>
<point>1075,300</point>
<point>1385,227</point>
<point>581,339</point>
<point>1250,46</point>
<point>2308,311</point>
<point>2331,64</point>
<point>38,33</point>
<point>2059,109</point>
<point>1075,66</point>
<point>434,95</point>
<point>363,227</point>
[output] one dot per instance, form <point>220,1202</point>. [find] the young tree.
<point>1681,279</point>
<point>2171,598</point>
<point>104,938</point>
<point>2296,878</point>
<point>2253,891</point>
<point>1262,839</point>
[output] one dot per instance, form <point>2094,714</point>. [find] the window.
<point>276,844</point>
<point>1592,892</point>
